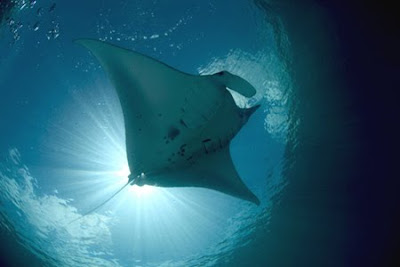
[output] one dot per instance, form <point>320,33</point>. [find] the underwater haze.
<point>317,154</point>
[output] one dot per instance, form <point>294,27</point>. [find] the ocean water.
<point>62,139</point>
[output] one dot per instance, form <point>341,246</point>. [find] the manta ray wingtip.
<point>79,40</point>
<point>85,41</point>
<point>256,201</point>
<point>251,197</point>
<point>247,112</point>
<point>254,108</point>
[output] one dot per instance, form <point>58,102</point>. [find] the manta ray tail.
<point>101,204</point>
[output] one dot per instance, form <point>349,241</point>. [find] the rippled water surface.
<point>317,153</point>
<point>63,148</point>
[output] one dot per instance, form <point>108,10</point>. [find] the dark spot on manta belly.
<point>173,132</point>
<point>183,123</point>
<point>206,144</point>
<point>181,151</point>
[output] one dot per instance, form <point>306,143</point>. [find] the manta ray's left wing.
<point>149,87</point>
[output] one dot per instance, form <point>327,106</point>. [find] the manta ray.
<point>178,126</point>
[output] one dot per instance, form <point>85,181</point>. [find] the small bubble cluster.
<point>53,32</point>
<point>15,20</point>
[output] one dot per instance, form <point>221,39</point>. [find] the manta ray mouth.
<point>138,180</point>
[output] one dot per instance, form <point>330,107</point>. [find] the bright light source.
<point>142,191</point>
<point>123,172</point>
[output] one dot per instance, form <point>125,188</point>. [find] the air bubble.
<point>39,11</point>
<point>35,26</point>
<point>52,7</point>
<point>32,3</point>
<point>11,22</point>
<point>53,33</point>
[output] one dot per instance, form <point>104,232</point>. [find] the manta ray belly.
<point>178,126</point>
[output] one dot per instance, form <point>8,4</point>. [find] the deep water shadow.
<point>340,206</point>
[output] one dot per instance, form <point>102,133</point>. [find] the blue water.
<point>308,153</point>
<point>62,139</point>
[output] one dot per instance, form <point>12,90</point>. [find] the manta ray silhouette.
<point>178,126</point>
